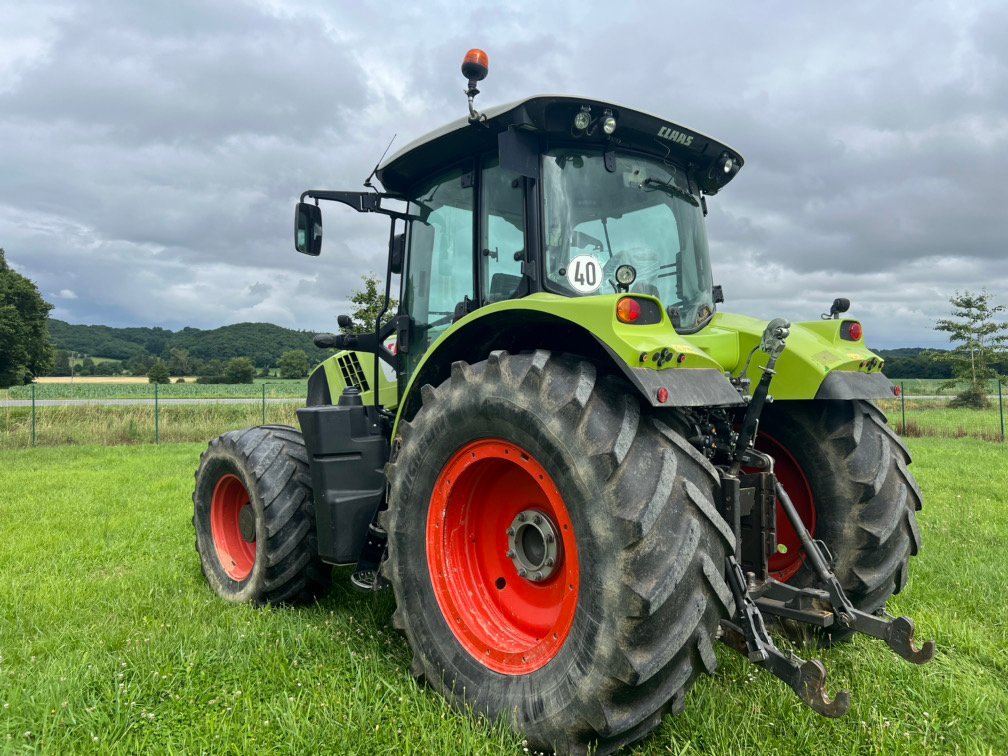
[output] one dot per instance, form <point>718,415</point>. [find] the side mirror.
<point>308,229</point>
<point>397,254</point>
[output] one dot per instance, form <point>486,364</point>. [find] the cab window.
<point>502,235</point>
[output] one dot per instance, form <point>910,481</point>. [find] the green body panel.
<point>359,365</point>
<point>814,349</point>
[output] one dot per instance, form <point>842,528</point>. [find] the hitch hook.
<point>900,638</point>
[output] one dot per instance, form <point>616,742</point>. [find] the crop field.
<point>94,379</point>
<point>133,424</point>
<point>110,640</point>
<point>106,389</point>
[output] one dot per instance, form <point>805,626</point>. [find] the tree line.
<point>263,343</point>
<point>294,363</point>
<point>917,362</point>
<point>32,344</point>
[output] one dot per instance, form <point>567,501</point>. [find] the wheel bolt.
<point>521,517</point>
<point>549,562</point>
<point>538,576</point>
<point>537,519</point>
<point>510,555</point>
<point>549,538</point>
<point>510,531</point>
<point>522,572</point>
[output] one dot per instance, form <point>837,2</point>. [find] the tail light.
<point>850,330</point>
<point>628,310</point>
<point>639,311</point>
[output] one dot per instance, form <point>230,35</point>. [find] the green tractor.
<point>573,470</point>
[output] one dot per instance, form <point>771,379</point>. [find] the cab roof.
<point>710,163</point>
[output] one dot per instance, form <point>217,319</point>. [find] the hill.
<point>262,342</point>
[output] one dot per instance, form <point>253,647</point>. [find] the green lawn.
<point>110,640</point>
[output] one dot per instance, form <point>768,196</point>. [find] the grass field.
<point>934,417</point>
<point>111,641</point>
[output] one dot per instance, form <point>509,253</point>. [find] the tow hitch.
<point>749,504</point>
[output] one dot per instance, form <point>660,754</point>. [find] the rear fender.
<point>586,327</point>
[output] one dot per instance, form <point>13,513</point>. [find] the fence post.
<point>264,404</point>
<point>34,437</point>
<point>1001,410</point>
<point>157,417</point>
<point>903,407</point>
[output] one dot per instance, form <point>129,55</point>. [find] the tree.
<point>25,347</point>
<point>981,340</point>
<point>139,364</point>
<point>158,373</point>
<point>294,364</point>
<point>213,369</point>
<point>61,366</point>
<point>178,362</point>
<point>369,301</point>
<point>239,370</point>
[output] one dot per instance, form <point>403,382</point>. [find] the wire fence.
<point>921,409</point>
<point>55,414</point>
<point>51,414</point>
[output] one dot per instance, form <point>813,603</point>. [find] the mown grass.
<point>111,641</point>
<point>132,424</point>
<point>274,388</point>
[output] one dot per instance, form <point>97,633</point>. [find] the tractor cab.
<point>554,195</point>
<point>544,207</point>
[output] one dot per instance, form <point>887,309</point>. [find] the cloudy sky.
<point>151,153</point>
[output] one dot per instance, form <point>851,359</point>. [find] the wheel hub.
<point>533,546</point>
<point>509,609</point>
<point>246,523</point>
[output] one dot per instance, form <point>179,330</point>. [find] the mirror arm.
<point>362,202</point>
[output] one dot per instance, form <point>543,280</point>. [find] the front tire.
<point>847,473</point>
<point>254,517</point>
<point>595,649</point>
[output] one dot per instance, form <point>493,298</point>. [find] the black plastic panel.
<point>846,385</point>
<point>347,455</point>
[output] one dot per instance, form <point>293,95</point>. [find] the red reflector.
<point>855,331</point>
<point>663,395</point>
<point>897,391</point>
<point>627,310</point>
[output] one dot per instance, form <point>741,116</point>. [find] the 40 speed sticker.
<point>584,274</point>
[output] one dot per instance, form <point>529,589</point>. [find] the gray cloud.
<point>152,152</point>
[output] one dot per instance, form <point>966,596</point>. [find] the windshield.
<point>641,213</point>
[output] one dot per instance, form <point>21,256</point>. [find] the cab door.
<point>440,262</point>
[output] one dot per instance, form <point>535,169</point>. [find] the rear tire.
<point>650,547</point>
<point>864,498</point>
<point>254,517</point>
